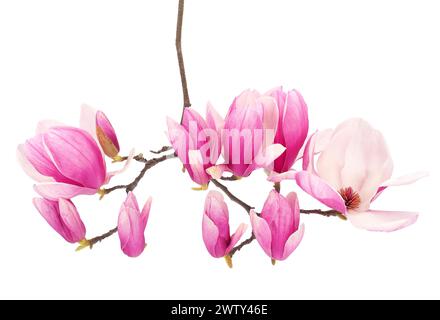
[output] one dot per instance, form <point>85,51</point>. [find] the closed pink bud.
<point>131,225</point>
<point>215,226</point>
<point>63,217</point>
<point>97,124</point>
<point>249,132</point>
<point>293,126</point>
<point>277,229</point>
<point>196,142</point>
<point>65,160</point>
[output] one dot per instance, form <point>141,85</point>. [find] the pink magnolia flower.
<point>215,226</point>
<point>293,125</point>
<point>196,142</point>
<point>97,124</point>
<point>63,217</point>
<point>277,230</point>
<point>354,167</point>
<point>248,135</point>
<point>131,225</point>
<point>66,162</point>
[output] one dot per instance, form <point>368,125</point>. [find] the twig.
<point>148,164</point>
<point>186,101</point>
<point>241,245</point>
<point>232,196</point>
<point>325,213</point>
<point>230,178</point>
<point>161,150</point>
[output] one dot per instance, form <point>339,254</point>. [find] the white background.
<point>376,59</point>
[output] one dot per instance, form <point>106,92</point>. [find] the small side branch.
<point>231,196</point>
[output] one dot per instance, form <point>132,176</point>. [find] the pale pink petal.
<point>262,232</point>
<point>400,181</point>
<point>28,168</point>
<point>293,242</point>
<point>76,155</point>
<point>87,120</point>
<point>278,177</point>
<point>124,226</point>
<point>131,202</point>
<point>210,235</point>
<point>266,157</point>
<point>44,125</point>
<point>178,138</point>
<point>292,199</point>
<point>320,190</point>
<point>316,144</point>
<point>56,190</point>
<point>71,219</point>
<point>145,213</point>
<point>236,237</point>
<point>217,210</point>
<point>270,114</point>
<point>213,118</point>
<point>386,221</point>
<point>197,169</point>
<point>216,172</point>
<point>126,165</point>
<point>50,212</point>
<point>406,179</point>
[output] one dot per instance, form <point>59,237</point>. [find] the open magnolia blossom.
<point>353,168</point>
<point>65,161</point>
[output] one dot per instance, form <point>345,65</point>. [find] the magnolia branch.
<point>186,101</point>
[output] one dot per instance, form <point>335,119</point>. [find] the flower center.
<point>351,198</point>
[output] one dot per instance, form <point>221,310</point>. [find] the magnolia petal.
<point>385,221</point>
<point>178,137</point>
<point>293,242</point>
<point>214,119</point>
<point>197,169</point>
<point>28,168</point>
<point>400,181</point>
<point>87,120</point>
<point>320,190</point>
<point>44,125</point>
<point>145,213</point>
<point>292,199</point>
<point>216,172</point>
<point>57,190</point>
<point>266,157</point>
<point>76,155</point>
<point>72,221</point>
<point>262,233</point>
<point>210,235</point>
<point>278,177</point>
<point>236,237</point>
<point>126,165</point>
<point>50,212</point>
<point>406,179</point>
<point>270,114</point>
